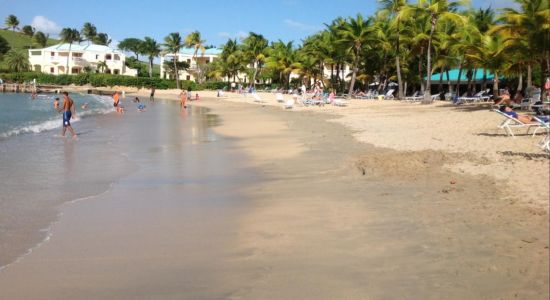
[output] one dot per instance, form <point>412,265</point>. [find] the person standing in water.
<point>183,99</point>
<point>56,103</point>
<point>68,113</point>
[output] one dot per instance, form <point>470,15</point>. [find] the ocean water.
<point>20,114</point>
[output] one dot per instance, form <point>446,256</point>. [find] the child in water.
<point>56,103</point>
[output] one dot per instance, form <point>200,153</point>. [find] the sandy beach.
<point>376,200</point>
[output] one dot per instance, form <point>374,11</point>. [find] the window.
<point>52,53</point>
<point>187,77</point>
<point>52,70</point>
<point>36,52</point>
<point>117,57</point>
<point>108,56</point>
<point>188,61</point>
<point>207,60</point>
<point>116,71</point>
<point>76,54</point>
<point>97,56</point>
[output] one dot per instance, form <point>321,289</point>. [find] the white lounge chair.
<point>257,98</point>
<point>511,122</point>
<point>389,94</point>
<point>289,104</point>
<point>417,96</point>
<point>340,102</point>
<point>280,98</point>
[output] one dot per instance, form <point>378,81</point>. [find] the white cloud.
<point>238,34</point>
<point>45,25</point>
<point>301,26</point>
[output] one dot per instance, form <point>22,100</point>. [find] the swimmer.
<point>84,106</point>
<point>183,99</point>
<point>136,100</point>
<point>141,108</point>
<point>56,103</point>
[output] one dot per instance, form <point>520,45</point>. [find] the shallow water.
<point>20,114</point>
<point>40,172</point>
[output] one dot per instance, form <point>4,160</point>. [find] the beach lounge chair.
<point>545,142</point>
<point>389,94</point>
<point>280,98</point>
<point>417,96</point>
<point>289,104</point>
<point>257,98</point>
<point>511,122</point>
<point>340,102</point>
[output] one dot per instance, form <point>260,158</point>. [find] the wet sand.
<point>312,214</point>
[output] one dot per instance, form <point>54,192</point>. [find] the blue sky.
<point>216,20</point>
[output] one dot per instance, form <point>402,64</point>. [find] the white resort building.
<point>186,54</point>
<point>96,58</point>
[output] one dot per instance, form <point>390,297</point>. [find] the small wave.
<point>54,123</point>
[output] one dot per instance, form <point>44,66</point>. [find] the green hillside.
<point>19,41</point>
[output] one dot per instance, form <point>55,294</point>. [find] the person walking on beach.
<point>152,96</point>
<point>68,113</point>
<point>183,99</point>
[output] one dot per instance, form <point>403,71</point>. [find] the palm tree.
<point>12,22</point>
<point>17,61</point>
<point>173,44</point>
<point>254,46</point>
<point>529,27</point>
<point>151,48</point>
<point>395,7</point>
<point>102,39</point>
<point>233,58</point>
<point>354,35</point>
<point>102,66</point>
<point>281,58</point>
<point>69,35</point>
<point>89,31</point>
<point>491,54</point>
<point>40,39</point>
<point>193,40</point>
<point>436,10</point>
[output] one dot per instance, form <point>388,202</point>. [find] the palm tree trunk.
<point>68,57</point>
<point>440,87</point>
<point>353,74</point>
<point>428,93</point>
<point>177,75</point>
<point>484,83</point>
<point>520,82</point>
<point>255,73</point>
<point>495,86</point>
<point>420,63</point>
<point>529,75</point>
<point>469,84</point>
<point>150,67</point>
<point>459,77</point>
<point>449,85</point>
<point>400,94</point>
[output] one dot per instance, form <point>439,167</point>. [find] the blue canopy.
<point>453,74</point>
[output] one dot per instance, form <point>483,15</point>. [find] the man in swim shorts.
<point>68,110</point>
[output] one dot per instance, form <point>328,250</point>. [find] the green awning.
<point>453,74</point>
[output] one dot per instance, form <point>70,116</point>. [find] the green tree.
<point>12,22</point>
<point>151,48</point>
<point>436,10</point>
<point>4,47</point>
<point>281,59</point>
<point>194,40</point>
<point>70,36</point>
<point>491,54</point>
<point>28,30</point>
<point>102,39</point>
<point>253,47</point>
<point>40,39</point>
<point>17,61</point>
<point>131,45</point>
<point>394,7</point>
<point>89,32</point>
<point>355,34</point>
<point>173,44</point>
<point>529,28</point>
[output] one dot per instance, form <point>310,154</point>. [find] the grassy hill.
<point>19,41</point>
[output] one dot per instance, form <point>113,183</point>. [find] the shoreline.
<point>332,208</point>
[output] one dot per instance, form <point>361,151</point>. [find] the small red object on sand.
<point>453,181</point>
